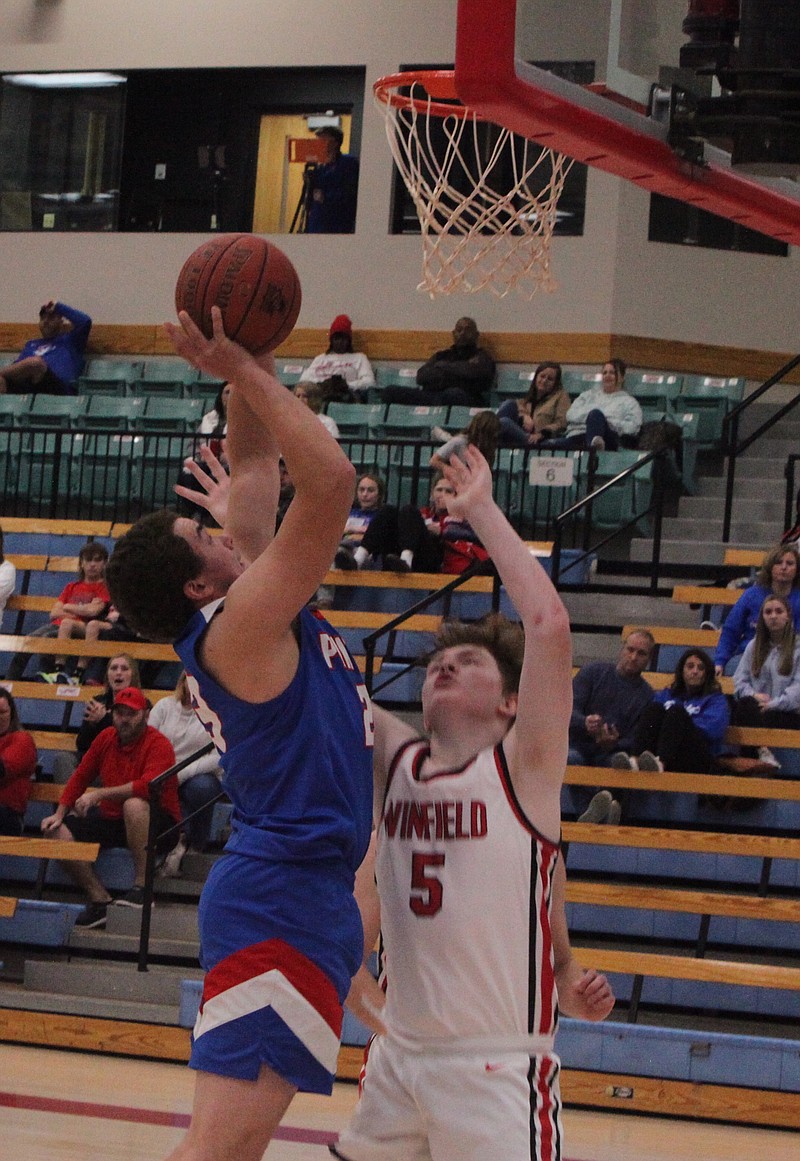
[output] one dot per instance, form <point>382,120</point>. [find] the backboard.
<point>647,116</point>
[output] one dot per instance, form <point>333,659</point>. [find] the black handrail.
<point>656,506</point>
<point>154,793</point>
<point>730,434</point>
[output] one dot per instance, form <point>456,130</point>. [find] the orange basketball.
<point>252,282</point>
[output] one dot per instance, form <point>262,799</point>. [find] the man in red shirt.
<point>124,759</point>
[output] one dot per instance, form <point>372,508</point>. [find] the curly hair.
<point>504,639</point>
<point>146,576</point>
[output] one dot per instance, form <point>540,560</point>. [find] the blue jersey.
<point>297,768</point>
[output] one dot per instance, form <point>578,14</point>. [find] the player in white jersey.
<point>470,885</point>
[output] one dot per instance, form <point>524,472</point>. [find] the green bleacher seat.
<point>459,417</point>
<point>621,503</point>
<point>290,371</point>
<point>44,465</point>
<point>689,423</point>
<point>712,397</point>
<point>356,419</point>
<point>574,382</point>
<point>201,385</point>
<point>513,382</point>
<point>54,411</point>
<point>112,413</point>
<point>406,421</point>
<point>397,376</point>
<point>161,377</point>
<point>165,414</point>
<point>658,389</point>
<point>104,466</point>
<point>109,376</point>
<point>13,407</point>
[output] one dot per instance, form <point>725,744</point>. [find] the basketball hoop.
<point>486,198</point>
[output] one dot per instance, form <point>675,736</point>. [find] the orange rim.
<point>438,83</point>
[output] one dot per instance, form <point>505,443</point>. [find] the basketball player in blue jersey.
<point>470,884</point>
<point>281,934</point>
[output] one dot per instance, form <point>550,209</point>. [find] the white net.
<point>485,197</point>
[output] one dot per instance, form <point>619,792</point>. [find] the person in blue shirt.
<point>332,187</point>
<point>778,576</point>
<point>50,365</point>
<point>280,932</point>
<point>684,726</point>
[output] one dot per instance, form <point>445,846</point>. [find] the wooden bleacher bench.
<point>783,789</point>
<point>744,557</point>
<point>687,967</point>
<point>674,635</point>
<point>692,841</point>
<point>45,848</point>
<point>42,691</point>
<point>8,906</point>
<point>705,595</point>
<point>26,561</point>
<point>352,619</point>
<point>86,528</point>
<point>141,650</point>
<point>686,900</point>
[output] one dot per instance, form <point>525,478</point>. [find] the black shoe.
<point>392,563</point>
<point>134,898</point>
<point>93,915</point>
<point>345,560</point>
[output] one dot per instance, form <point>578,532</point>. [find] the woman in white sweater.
<point>604,417</point>
<point>342,362</point>
<point>199,782</point>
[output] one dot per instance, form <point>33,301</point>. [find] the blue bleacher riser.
<point>678,865</point>
<point>680,1054</point>
<point>38,922</point>
<point>50,544</point>
<point>114,867</point>
<point>780,1003</point>
<point>191,995</point>
<point>666,809</point>
<point>371,600</point>
<point>646,923</point>
<point>404,688</point>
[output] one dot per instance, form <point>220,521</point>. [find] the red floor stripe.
<point>10,1100</point>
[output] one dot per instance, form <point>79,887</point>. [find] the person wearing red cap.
<point>123,759</point>
<point>341,362</point>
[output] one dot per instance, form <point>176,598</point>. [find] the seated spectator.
<point>79,602</point>
<point>370,496</point>
<point>767,680</point>
<point>683,727</point>
<point>608,699</point>
<point>8,577</point>
<point>542,414</point>
<point>779,576</point>
<point>311,395</point>
<point>215,422</point>
<point>214,426</point>
<point>50,365</point>
<point>199,783</point>
<point>425,539</point>
<point>17,767</point>
<point>116,813</point>
<point>604,417</point>
<point>121,672</point>
<point>462,374</point>
<point>341,362</point>
<point>483,430</point>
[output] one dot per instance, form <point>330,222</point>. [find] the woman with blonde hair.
<point>779,575</point>
<point>122,670</point>
<point>767,679</point>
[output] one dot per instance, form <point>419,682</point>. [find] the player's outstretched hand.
<point>366,1000</point>
<point>215,487</point>
<point>218,356</point>
<point>590,998</point>
<point>472,479</point>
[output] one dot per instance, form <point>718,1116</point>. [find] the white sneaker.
<point>598,443</point>
<point>598,808</point>
<point>441,434</point>
<point>623,761</point>
<point>766,755</point>
<point>650,762</point>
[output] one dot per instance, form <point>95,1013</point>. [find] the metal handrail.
<point>656,506</point>
<point>154,793</point>
<point>730,432</point>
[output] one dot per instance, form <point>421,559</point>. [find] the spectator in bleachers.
<point>198,783</point>
<point>425,539</point>
<point>604,417</point>
<point>311,395</point>
<point>767,679</point>
<point>461,375</point>
<point>122,671</point>
<point>352,369</point>
<point>541,414</point>
<point>17,766</point>
<point>608,699</point>
<point>214,427</point>
<point>215,422</point>
<point>369,500</point>
<point>124,760</point>
<point>684,725</point>
<point>51,364</point>
<point>78,603</point>
<point>8,577</point>
<point>779,576</point>
<point>332,187</point>
<point>483,431</point>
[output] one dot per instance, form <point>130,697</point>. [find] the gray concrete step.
<point>158,985</point>
<point>702,531</point>
<point>759,467</point>
<point>714,487</point>
<point>620,609</point>
<point>706,552</point>
<point>80,1005</point>
<point>100,942</point>
<point>762,506</point>
<point>167,921</point>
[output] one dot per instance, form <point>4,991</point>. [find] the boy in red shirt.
<point>80,602</point>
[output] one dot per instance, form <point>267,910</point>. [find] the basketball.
<point>252,282</point>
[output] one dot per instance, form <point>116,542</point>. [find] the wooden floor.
<point>60,1106</point>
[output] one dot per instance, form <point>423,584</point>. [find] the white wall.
<point>611,279</point>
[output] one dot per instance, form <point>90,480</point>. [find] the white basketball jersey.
<point>465,883</point>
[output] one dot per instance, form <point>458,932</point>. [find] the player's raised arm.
<point>538,740</point>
